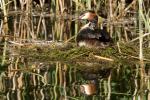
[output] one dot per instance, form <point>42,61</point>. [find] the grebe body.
<point>89,35</point>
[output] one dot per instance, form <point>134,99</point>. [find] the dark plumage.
<point>89,35</point>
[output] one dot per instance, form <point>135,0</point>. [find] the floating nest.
<point>82,57</point>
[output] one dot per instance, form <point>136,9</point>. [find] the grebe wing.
<point>97,36</point>
<point>88,33</point>
<point>104,35</point>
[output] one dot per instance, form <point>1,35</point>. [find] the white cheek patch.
<point>82,44</point>
<point>85,16</point>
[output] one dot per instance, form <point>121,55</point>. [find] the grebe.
<point>89,35</point>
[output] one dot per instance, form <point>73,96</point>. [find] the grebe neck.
<point>93,25</point>
<point>90,25</point>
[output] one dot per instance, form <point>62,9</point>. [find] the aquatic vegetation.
<point>38,43</point>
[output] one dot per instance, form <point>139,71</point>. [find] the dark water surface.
<point>23,80</point>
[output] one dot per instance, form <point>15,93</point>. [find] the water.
<point>22,79</point>
<point>72,74</point>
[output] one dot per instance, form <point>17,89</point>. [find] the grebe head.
<point>89,15</point>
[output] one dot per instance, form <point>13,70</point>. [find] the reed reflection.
<point>56,80</point>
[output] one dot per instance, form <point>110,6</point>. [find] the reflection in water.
<point>89,88</point>
<point>57,80</point>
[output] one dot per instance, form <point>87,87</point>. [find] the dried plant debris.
<point>72,53</point>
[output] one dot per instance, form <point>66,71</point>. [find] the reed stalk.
<point>42,3</point>
<point>140,31</point>
<point>15,5</point>
<point>4,9</point>
<point>110,16</point>
<point>77,8</point>
<point>61,4</point>
<point>89,4</point>
<point>4,52</point>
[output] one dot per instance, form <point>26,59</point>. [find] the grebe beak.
<point>84,16</point>
<point>81,17</point>
<point>78,18</point>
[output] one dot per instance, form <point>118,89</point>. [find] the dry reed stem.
<point>131,56</point>
<point>146,34</point>
<point>16,43</point>
<point>124,11</point>
<point>73,37</point>
<point>140,31</point>
<point>61,3</point>
<point>102,58</point>
<point>42,3</point>
<point>118,45</point>
<point>109,87</point>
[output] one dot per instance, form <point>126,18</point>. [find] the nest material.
<point>81,57</point>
